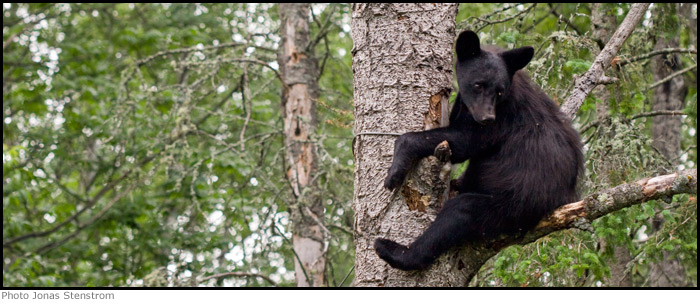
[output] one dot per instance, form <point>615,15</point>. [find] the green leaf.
<point>577,66</point>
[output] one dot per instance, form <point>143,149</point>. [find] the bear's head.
<point>484,76</point>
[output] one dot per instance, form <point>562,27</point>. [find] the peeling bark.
<point>579,214</point>
<point>402,63</point>
<point>613,199</point>
<point>299,71</point>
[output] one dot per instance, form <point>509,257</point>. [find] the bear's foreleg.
<point>410,147</point>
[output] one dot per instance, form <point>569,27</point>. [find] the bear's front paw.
<point>389,250</point>
<point>394,178</point>
<point>392,182</point>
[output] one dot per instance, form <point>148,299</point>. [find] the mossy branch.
<point>609,200</point>
<point>595,75</point>
<point>580,214</point>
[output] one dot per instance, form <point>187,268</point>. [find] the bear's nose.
<point>488,119</point>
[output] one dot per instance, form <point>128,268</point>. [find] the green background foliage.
<point>134,156</point>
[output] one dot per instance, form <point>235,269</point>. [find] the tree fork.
<point>595,75</point>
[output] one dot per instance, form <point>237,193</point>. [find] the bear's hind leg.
<point>453,226</point>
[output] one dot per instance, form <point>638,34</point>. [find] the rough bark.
<point>402,67</point>
<point>595,75</point>
<point>395,79</point>
<point>299,71</point>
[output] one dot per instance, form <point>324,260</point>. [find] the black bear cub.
<point>524,156</point>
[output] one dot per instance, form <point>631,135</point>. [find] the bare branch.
<point>346,276</point>
<point>669,77</point>
<point>485,18</point>
<point>323,28</point>
<point>296,255</point>
<point>47,247</point>
<point>654,53</point>
<point>57,227</point>
<point>325,58</point>
<point>238,274</point>
<point>93,201</point>
<point>218,105</point>
<point>585,84</point>
<point>561,17</point>
<point>247,103</point>
<point>489,22</point>
<point>640,115</point>
<point>277,73</point>
<point>185,50</point>
<point>606,80</point>
<point>343,229</point>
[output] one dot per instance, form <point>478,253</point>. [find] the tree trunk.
<point>666,130</point>
<point>402,67</point>
<point>669,95</point>
<point>402,63</point>
<point>690,20</point>
<point>299,70</point>
<point>604,25</point>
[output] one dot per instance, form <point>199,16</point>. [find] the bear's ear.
<point>517,58</point>
<point>467,45</point>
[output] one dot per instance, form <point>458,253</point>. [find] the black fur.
<point>524,156</point>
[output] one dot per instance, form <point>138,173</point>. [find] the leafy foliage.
<point>146,140</point>
<point>142,145</point>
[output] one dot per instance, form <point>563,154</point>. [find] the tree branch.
<point>601,203</point>
<point>239,274</point>
<point>93,201</point>
<point>58,226</point>
<point>465,23</point>
<point>80,226</point>
<point>552,9</point>
<point>669,77</point>
<point>654,53</point>
<point>585,84</point>
<point>580,214</point>
<point>640,115</point>
<point>561,17</point>
<point>323,30</point>
<point>186,50</point>
<point>488,22</point>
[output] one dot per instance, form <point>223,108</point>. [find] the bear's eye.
<point>499,93</point>
<point>477,86</point>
